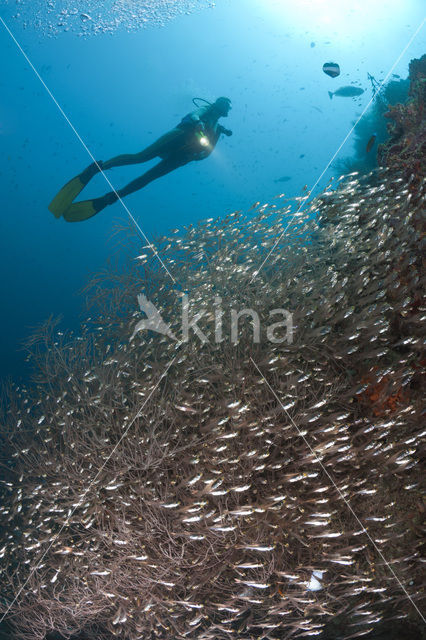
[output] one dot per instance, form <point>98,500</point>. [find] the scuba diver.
<point>194,138</point>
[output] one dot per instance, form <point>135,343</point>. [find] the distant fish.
<point>312,45</point>
<point>346,92</point>
<point>332,69</point>
<point>283,179</point>
<point>370,143</point>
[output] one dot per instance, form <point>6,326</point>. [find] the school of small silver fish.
<point>157,489</point>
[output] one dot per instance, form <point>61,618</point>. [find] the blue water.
<point>121,90</point>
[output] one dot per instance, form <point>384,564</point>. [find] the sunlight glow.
<point>347,19</point>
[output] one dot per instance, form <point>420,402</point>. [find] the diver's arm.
<point>214,134</point>
<point>221,129</point>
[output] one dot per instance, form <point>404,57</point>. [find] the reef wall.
<point>405,151</point>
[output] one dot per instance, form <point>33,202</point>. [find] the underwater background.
<point>125,73</point>
<point>238,489</point>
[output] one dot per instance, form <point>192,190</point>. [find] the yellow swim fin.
<point>65,196</point>
<point>63,199</point>
<point>79,211</point>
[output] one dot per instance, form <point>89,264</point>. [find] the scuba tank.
<point>187,121</point>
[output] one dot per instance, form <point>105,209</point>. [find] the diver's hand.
<point>227,132</point>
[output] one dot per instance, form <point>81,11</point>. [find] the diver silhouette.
<point>194,138</point>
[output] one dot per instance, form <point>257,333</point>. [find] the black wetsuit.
<point>176,148</point>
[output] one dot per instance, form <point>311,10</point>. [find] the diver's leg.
<point>160,169</point>
<point>128,158</point>
<point>165,144</point>
<point>83,210</point>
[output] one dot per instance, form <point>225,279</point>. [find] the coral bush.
<point>160,488</point>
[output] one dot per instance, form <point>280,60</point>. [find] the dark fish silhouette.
<point>346,92</point>
<point>370,143</point>
<point>332,69</point>
<point>283,179</point>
